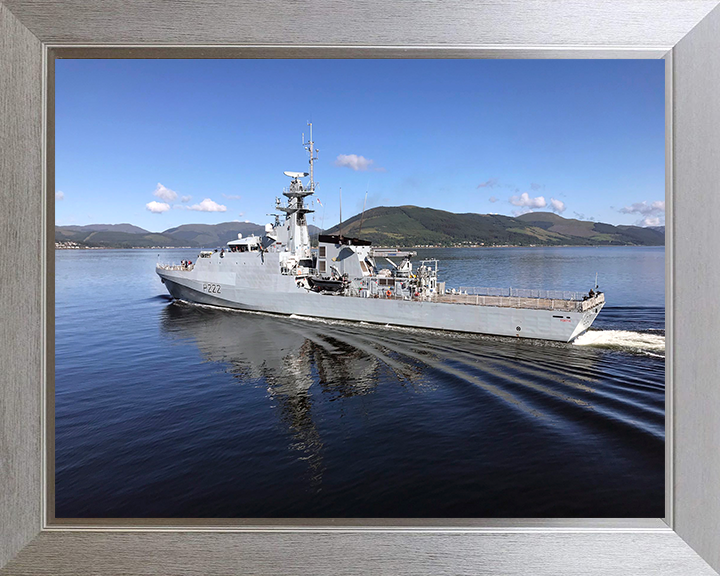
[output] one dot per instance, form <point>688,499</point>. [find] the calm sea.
<point>174,410</point>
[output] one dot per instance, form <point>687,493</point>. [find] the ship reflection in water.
<point>371,421</point>
<point>290,356</point>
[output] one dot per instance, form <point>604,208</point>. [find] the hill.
<point>129,228</point>
<point>414,226</point>
<point>102,235</point>
<point>211,235</point>
<point>129,236</point>
<point>113,239</point>
<point>389,226</point>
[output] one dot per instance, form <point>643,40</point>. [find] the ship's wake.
<point>581,388</point>
<point>638,342</point>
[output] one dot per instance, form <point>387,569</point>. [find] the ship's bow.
<point>589,310</point>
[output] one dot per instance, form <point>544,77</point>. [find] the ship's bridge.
<point>248,244</point>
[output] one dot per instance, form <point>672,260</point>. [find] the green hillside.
<point>212,235</point>
<point>390,226</point>
<point>413,226</point>
<point>193,235</point>
<point>112,239</point>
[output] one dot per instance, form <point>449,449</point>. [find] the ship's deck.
<point>519,302</point>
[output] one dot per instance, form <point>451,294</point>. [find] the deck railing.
<point>518,293</point>
<point>560,304</point>
<point>175,267</point>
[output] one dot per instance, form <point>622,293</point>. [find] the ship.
<point>348,279</point>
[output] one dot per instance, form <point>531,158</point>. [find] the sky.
<point>160,143</point>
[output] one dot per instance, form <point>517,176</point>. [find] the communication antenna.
<point>340,225</point>
<point>362,218</point>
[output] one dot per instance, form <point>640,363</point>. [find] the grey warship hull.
<point>256,287</point>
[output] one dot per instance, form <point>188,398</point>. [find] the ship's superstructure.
<point>349,279</point>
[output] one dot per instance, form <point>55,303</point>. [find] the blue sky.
<point>159,143</point>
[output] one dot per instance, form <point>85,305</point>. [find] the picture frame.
<point>685,33</point>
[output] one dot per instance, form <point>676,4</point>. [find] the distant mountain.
<point>129,228</point>
<point>212,235</point>
<point>113,239</point>
<point>389,226</point>
<point>595,232</point>
<point>413,226</point>
<point>129,236</point>
<point>75,233</point>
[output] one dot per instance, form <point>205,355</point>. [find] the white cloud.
<point>186,199</point>
<point>232,196</point>
<point>241,214</point>
<point>489,184</point>
<point>165,193</point>
<point>208,205</point>
<point>536,186</point>
<point>644,208</point>
<point>59,196</point>
<point>525,200</point>
<point>493,199</point>
<point>653,213</point>
<point>157,207</point>
<point>557,205</point>
<point>357,163</point>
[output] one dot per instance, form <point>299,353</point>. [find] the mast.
<point>298,239</point>
<point>310,147</point>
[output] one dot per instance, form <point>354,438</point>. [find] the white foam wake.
<point>651,344</point>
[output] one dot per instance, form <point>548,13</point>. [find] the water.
<point>176,410</point>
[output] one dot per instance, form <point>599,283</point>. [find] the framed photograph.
<point>367,355</point>
<point>642,501</point>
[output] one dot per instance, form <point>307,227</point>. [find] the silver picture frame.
<point>686,33</point>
